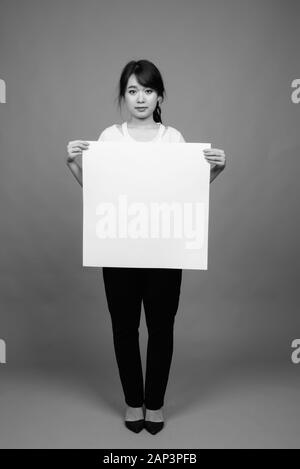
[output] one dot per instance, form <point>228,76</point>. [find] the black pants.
<point>159,289</point>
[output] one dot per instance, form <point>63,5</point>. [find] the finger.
<point>77,143</point>
<point>80,141</point>
<point>80,147</point>
<point>214,151</point>
<point>212,158</point>
<point>76,149</point>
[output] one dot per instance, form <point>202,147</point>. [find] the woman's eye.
<point>151,91</point>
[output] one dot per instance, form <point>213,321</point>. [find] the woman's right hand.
<point>75,148</point>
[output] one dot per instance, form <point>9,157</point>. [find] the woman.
<point>142,89</point>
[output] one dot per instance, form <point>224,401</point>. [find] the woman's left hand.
<point>215,156</point>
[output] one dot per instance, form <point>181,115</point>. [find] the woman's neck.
<point>142,123</point>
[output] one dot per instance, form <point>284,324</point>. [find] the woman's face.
<point>137,96</point>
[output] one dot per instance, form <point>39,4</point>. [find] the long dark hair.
<point>148,75</point>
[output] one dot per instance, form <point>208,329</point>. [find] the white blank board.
<point>145,205</point>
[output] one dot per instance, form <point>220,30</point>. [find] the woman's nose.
<point>140,97</point>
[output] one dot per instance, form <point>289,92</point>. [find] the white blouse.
<point>164,134</point>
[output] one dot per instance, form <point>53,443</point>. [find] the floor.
<point>78,407</point>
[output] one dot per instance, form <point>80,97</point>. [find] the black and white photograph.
<point>150,162</point>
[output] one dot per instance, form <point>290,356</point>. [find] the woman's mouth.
<point>140,109</point>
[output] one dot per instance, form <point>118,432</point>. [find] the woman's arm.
<point>217,159</point>
<point>74,150</point>
<point>214,172</point>
<point>75,168</point>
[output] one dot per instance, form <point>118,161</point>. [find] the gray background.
<point>228,68</point>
